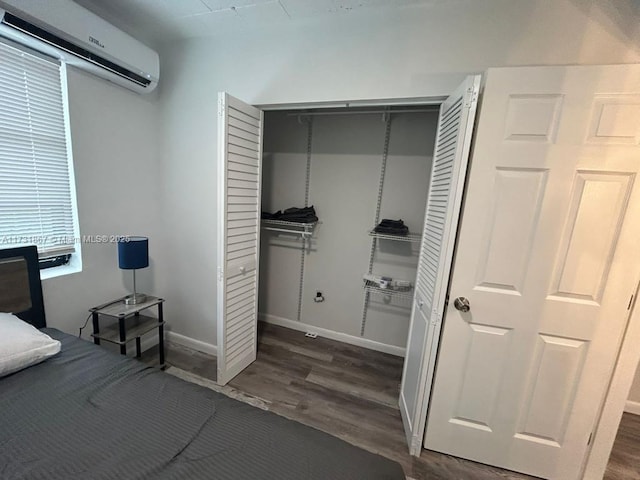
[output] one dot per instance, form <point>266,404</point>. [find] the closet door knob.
<point>462,304</point>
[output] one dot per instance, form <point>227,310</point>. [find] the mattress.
<point>88,413</point>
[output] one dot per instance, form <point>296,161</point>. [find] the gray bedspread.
<point>88,413</point>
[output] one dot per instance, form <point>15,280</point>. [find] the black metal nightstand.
<point>132,324</point>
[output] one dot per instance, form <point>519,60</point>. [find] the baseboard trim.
<point>632,407</point>
<point>330,334</point>
<point>192,343</point>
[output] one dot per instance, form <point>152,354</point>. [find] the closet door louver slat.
<point>448,171</point>
<point>434,225</point>
<point>239,174</point>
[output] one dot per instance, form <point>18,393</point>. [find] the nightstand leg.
<point>137,347</point>
<point>161,334</point>
<point>123,336</point>
<point>96,327</point>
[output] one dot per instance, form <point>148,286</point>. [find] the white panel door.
<point>548,258</point>
<point>239,185</point>
<point>448,171</point>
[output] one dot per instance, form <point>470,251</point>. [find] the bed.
<point>88,413</point>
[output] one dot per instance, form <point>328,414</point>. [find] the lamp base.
<point>135,299</point>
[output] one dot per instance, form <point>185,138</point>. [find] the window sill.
<point>74,266</point>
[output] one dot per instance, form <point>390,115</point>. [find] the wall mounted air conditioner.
<point>65,30</point>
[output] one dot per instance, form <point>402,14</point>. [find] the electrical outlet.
<point>311,335</point>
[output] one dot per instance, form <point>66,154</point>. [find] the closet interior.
<point>337,267</point>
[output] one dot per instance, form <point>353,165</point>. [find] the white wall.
<point>346,153</point>
<point>115,149</point>
<point>418,52</point>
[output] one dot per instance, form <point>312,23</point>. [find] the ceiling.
<point>164,20</point>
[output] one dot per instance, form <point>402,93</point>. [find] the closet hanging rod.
<point>362,112</point>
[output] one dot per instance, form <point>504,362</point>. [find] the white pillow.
<point>22,345</point>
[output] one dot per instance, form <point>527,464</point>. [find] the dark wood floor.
<point>352,393</point>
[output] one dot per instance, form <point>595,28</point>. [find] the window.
<point>37,191</point>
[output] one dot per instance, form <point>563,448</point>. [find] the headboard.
<point>20,287</point>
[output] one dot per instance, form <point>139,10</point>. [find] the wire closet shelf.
<point>410,237</point>
<point>305,230</point>
<point>372,287</point>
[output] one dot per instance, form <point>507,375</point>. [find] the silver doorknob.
<point>462,304</point>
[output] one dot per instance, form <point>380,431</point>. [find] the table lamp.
<point>133,253</point>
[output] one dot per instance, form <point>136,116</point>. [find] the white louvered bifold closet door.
<point>240,167</point>
<point>451,154</point>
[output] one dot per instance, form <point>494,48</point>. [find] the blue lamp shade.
<point>133,253</point>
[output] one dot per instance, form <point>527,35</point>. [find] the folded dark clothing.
<point>299,215</point>
<point>392,231</point>
<point>271,216</point>
<point>304,219</point>
<point>294,211</point>
<point>294,214</point>
<point>392,227</point>
<point>391,223</point>
<point>308,218</point>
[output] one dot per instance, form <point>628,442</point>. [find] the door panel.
<point>576,277</point>
<point>486,354</point>
<point>240,140</point>
<point>557,364</point>
<point>515,209</point>
<point>547,256</point>
<point>448,172</point>
<point>413,358</point>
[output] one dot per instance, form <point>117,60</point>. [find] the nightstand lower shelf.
<point>136,327</point>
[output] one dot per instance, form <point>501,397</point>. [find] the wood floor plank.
<point>323,356</point>
<point>384,393</point>
<point>281,362</point>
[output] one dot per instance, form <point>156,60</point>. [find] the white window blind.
<point>37,196</point>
